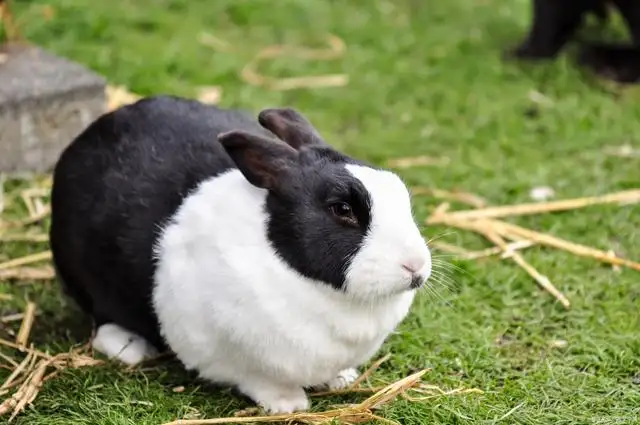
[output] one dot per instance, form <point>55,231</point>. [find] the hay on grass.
<point>26,325</point>
<point>17,371</point>
<point>488,232</point>
<point>27,377</point>
<point>210,95</point>
<point>483,221</point>
<point>336,50</point>
<point>34,375</point>
<point>464,254</point>
<point>464,197</point>
<point>417,161</point>
<point>624,197</point>
<point>118,96</point>
<point>32,199</point>
<point>28,273</point>
<point>348,415</point>
<point>41,215</point>
<point>13,317</point>
<point>512,230</point>
<point>22,349</point>
<point>623,151</point>
<point>24,237</point>
<point>215,43</point>
<point>13,364</point>
<point>27,259</point>
<point>541,279</point>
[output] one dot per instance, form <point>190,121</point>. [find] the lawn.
<point>425,78</point>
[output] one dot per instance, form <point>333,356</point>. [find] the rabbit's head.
<point>332,218</point>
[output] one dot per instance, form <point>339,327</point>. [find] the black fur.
<point>302,233</point>
<point>556,21</point>
<point>618,63</point>
<point>123,177</point>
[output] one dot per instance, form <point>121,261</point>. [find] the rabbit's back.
<point>116,185</point>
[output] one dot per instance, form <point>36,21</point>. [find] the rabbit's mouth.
<point>417,281</point>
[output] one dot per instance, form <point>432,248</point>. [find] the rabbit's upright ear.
<point>290,126</point>
<point>263,161</point>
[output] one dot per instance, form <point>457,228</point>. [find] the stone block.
<point>45,101</point>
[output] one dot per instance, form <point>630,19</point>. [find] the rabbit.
<point>262,257</point>
<point>555,22</point>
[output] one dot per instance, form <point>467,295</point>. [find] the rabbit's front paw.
<point>343,380</point>
<point>277,399</point>
<point>117,342</point>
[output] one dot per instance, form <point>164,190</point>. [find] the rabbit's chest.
<point>321,347</point>
<point>318,355</point>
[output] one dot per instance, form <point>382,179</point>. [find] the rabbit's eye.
<point>344,212</point>
<point>341,209</point>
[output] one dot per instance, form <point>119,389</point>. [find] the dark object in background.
<point>618,63</point>
<point>556,21</point>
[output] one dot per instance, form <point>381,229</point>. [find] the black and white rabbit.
<point>262,257</point>
<point>556,21</point>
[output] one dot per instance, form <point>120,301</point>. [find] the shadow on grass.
<point>66,327</point>
<point>61,327</point>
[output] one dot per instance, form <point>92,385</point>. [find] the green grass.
<point>426,78</point>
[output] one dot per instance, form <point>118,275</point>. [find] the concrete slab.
<point>45,101</point>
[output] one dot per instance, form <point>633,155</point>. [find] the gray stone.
<point>45,101</point>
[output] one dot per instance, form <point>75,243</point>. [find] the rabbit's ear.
<point>290,126</point>
<point>263,161</point>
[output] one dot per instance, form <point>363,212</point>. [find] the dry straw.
<point>417,161</point>
<point>483,221</point>
<point>26,379</point>
<point>25,237</point>
<point>118,96</point>
<point>28,273</point>
<point>465,254</point>
<point>27,324</point>
<point>463,197</point>
<point>31,374</point>
<point>512,230</point>
<point>335,50</point>
<point>43,213</point>
<point>624,197</point>
<point>20,348</point>
<point>351,414</point>
<point>27,259</point>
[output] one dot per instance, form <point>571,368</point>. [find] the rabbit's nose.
<point>413,265</point>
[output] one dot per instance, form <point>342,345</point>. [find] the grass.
<point>426,78</point>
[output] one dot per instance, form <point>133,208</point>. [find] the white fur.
<point>393,239</point>
<point>230,308</point>
<point>117,342</point>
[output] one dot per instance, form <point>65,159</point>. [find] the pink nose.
<point>414,265</point>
